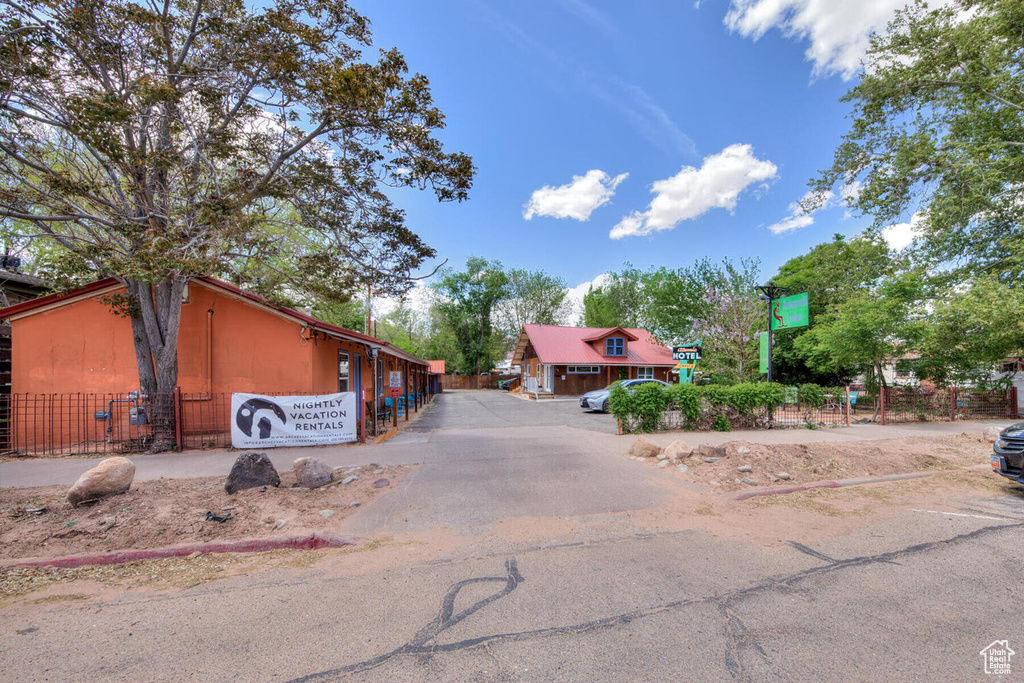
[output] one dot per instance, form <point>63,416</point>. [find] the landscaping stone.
<point>645,448</point>
<point>327,513</point>
<point>354,504</point>
<point>748,481</point>
<point>682,468</point>
<point>745,468</point>
<point>992,433</point>
<point>250,471</point>
<point>662,456</point>
<point>110,477</point>
<point>773,479</point>
<point>280,524</point>
<point>312,472</point>
<point>783,475</point>
<point>663,464</point>
<point>743,450</point>
<point>711,451</point>
<point>381,483</point>
<point>710,460</point>
<point>349,480</point>
<point>678,449</point>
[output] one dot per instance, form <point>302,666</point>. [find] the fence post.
<point>847,405</point>
<point>881,400</point>
<point>178,430</point>
<point>1013,402</point>
<point>952,404</point>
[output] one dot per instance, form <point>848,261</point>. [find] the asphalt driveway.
<point>491,409</point>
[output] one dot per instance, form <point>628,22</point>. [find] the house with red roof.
<point>570,361</point>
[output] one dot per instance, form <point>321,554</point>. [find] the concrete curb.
<point>252,545</point>
<point>841,483</point>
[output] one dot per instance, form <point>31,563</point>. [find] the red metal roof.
<point>436,367</point>
<point>568,346</point>
<point>92,288</point>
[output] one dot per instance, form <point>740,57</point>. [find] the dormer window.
<point>615,346</point>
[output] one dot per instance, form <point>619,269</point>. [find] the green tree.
<point>532,297</point>
<point>599,310</point>
<point>730,321</point>
<point>195,129</point>
<point>869,329</point>
<point>938,128</point>
<point>466,302</point>
<point>830,273</point>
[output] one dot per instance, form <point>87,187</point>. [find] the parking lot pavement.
<point>490,409</point>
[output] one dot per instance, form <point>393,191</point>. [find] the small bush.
<point>640,408</point>
<point>720,423</point>
<point>812,395</point>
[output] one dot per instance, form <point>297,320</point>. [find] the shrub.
<point>640,408</point>
<point>812,395</point>
<point>720,423</point>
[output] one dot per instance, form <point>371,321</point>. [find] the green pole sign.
<point>764,353</point>
<point>790,311</point>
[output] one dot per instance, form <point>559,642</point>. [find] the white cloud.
<point>577,199</point>
<point>900,235</point>
<point>837,30</point>
<point>418,298</point>
<point>798,217</point>
<point>692,192</point>
<point>574,295</point>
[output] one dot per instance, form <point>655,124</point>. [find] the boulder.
<point>645,448</point>
<point>311,472</point>
<point>252,470</point>
<point>678,449</point>
<point>662,456</point>
<point>381,483</point>
<point>711,451</point>
<point>992,433</point>
<point>783,475</point>
<point>110,477</point>
<point>745,468</point>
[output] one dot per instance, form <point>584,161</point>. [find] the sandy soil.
<point>807,463</point>
<point>167,512</point>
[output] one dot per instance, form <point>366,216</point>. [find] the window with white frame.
<point>343,371</point>
<point>645,373</point>
<point>584,369</point>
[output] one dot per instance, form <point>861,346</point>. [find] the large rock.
<point>252,470</point>
<point>311,472</point>
<point>645,448</point>
<point>710,451</point>
<point>992,433</point>
<point>110,477</point>
<point>678,449</point>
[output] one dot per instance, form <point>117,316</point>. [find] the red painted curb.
<point>252,545</point>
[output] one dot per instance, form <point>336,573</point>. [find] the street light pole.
<point>770,292</point>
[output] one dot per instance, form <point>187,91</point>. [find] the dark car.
<point>598,400</point>
<point>1008,453</point>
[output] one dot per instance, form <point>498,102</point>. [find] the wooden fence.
<point>464,382</point>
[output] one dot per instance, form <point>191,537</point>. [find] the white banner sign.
<point>274,421</point>
<point>395,379</point>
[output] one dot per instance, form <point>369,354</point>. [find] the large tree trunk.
<point>156,320</point>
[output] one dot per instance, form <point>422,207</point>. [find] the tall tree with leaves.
<point>938,128</point>
<point>532,297</point>
<point>467,301</point>
<point>158,140</point>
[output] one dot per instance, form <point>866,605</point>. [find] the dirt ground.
<point>806,463</point>
<point>166,512</point>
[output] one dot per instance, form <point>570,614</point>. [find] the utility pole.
<point>770,292</point>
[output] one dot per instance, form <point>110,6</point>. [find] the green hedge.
<point>700,406</point>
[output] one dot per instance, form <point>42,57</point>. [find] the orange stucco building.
<point>229,341</point>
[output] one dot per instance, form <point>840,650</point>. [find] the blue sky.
<point>624,96</point>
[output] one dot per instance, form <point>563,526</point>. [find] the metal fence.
<point>82,424</point>
<point>903,404</point>
<point>71,424</point>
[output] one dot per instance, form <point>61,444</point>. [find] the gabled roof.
<point>570,346</point>
<point>101,286</point>
<point>599,333</point>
